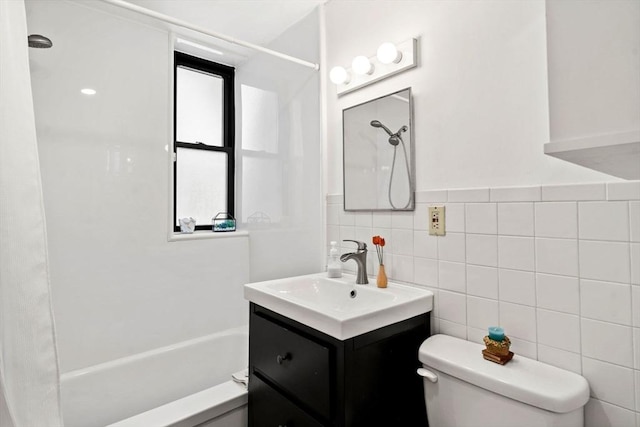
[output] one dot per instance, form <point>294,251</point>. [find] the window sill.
<point>204,234</point>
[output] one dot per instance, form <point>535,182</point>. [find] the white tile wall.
<point>468,195</point>
<point>608,261</point>
<point>598,414</point>
<point>560,358</point>
<point>424,245</point>
<point>481,218</point>
<point>515,194</point>
<point>604,221</point>
<point>453,307</point>
<point>425,272</point>
<point>482,312</point>
<point>517,286</point>
<point>610,302</point>
<point>557,219</point>
<point>452,247</point>
<point>400,243</point>
<point>516,253</point>
<point>455,218</point>
<point>451,276</point>
<point>623,191</point>
<point>636,348</point>
<point>635,263</point>
<point>364,219</point>
<point>560,272</point>
<point>635,306</point>
<point>559,330</point>
<point>637,390</point>
<point>482,249</point>
<point>557,256</point>
<point>598,338</point>
<point>559,293</point>
<point>610,383</point>
<point>521,320</point>
<point>483,281</point>
<point>634,221</point>
<point>574,192</point>
<point>515,219</point>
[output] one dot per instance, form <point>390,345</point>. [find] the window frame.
<point>227,74</point>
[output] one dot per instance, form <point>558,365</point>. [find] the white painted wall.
<point>480,89</point>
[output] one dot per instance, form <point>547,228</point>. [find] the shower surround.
<point>123,284</point>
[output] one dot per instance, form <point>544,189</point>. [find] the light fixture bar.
<point>381,71</point>
<point>201,30</point>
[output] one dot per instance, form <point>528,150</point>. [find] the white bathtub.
<point>185,384</point>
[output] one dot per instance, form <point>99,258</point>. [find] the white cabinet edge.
<point>616,154</point>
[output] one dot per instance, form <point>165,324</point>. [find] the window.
<point>204,125</point>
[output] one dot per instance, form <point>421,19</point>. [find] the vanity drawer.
<point>296,364</point>
<point>270,409</point>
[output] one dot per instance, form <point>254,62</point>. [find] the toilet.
<point>464,390</point>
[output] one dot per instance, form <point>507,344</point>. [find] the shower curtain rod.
<point>184,24</point>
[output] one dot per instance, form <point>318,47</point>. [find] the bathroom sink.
<point>339,307</point>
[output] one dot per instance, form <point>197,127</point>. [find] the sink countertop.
<point>326,304</point>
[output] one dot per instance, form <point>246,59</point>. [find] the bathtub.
<point>181,385</point>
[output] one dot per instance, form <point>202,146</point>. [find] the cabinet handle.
<point>281,359</point>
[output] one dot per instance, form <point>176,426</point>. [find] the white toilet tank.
<point>470,391</point>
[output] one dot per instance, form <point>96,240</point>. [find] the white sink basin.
<point>328,306</point>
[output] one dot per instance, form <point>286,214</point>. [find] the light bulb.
<point>362,65</point>
<point>338,75</point>
<point>88,91</point>
<point>388,53</point>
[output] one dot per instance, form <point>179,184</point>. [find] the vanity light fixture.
<point>88,91</point>
<point>361,65</point>
<point>388,53</point>
<point>390,59</point>
<point>339,76</point>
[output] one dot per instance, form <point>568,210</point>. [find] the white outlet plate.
<point>437,221</point>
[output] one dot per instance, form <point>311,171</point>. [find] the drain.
<point>353,293</point>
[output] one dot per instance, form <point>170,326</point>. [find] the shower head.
<point>39,42</point>
<point>377,124</point>
<point>394,138</point>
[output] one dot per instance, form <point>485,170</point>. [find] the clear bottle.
<point>334,265</point>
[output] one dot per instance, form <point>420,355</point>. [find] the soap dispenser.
<point>334,266</point>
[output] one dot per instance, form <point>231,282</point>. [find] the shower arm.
<point>201,30</point>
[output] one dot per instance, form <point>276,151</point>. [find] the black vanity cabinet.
<point>300,377</point>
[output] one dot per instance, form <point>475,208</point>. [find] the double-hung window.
<point>204,124</point>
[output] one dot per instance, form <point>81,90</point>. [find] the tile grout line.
<point>579,282</point>
<point>535,278</point>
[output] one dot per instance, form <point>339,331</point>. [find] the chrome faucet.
<point>360,257</point>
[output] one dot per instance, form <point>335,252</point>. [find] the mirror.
<point>378,154</point>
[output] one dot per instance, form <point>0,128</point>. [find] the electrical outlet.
<point>436,221</point>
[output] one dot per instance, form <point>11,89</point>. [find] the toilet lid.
<point>522,379</point>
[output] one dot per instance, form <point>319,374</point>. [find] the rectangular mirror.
<point>378,154</point>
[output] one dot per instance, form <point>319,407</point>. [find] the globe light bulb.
<point>388,53</point>
<point>339,76</point>
<point>362,65</point>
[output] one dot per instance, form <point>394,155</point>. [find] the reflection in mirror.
<point>378,154</point>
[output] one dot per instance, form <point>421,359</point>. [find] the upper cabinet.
<point>593,60</point>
